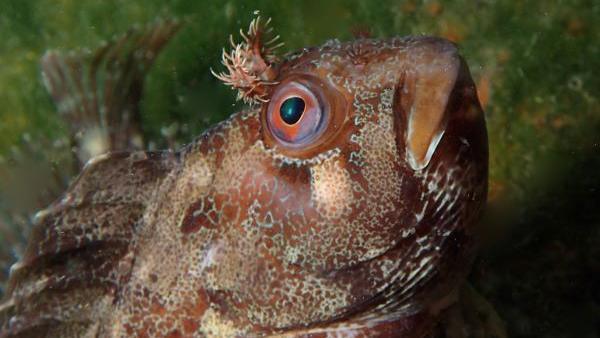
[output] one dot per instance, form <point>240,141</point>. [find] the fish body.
<point>344,201</point>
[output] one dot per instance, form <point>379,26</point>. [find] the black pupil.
<point>291,110</point>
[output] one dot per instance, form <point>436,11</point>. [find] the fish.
<point>343,201</point>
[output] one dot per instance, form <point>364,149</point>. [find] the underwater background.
<point>535,64</point>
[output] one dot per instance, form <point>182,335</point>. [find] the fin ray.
<point>79,251</point>
<point>101,91</point>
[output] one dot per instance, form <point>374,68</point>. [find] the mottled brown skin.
<point>366,232</point>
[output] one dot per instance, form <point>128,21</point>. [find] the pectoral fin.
<point>79,251</point>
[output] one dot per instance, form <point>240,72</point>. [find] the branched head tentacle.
<point>249,64</point>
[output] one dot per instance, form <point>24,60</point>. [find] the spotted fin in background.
<point>79,248</point>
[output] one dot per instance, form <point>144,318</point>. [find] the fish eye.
<point>296,115</point>
<point>291,110</point>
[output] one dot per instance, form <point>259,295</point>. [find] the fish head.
<point>352,186</point>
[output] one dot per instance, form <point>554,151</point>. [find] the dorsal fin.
<point>79,250</point>
<point>98,93</point>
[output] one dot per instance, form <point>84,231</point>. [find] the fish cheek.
<point>331,190</point>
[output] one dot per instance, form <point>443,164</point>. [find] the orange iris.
<point>295,115</point>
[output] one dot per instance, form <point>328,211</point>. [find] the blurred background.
<point>535,64</point>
